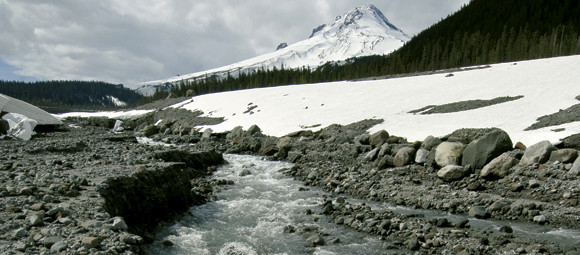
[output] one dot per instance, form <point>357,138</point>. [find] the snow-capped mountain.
<point>363,31</point>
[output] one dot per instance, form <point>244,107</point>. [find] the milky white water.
<point>249,217</point>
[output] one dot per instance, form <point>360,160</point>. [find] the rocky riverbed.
<point>61,191</point>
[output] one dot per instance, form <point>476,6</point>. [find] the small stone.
<point>19,233</point>
<point>475,186</point>
<point>478,212</point>
<point>315,240</point>
<point>90,242</point>
<point>59,246</point>
<point>36,220</point>
<point>533,184</point>
<point>245,172</point>
<point>413,244</point>
<point>506,229</point>
<point>37,207</point>
<point>132,239</point>
<point>540,219</point>
<point>119,224</point>
<point>48,242</point>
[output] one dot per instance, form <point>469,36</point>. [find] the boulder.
<point>378,138</point>
<point>150,130</point>
<point>448,153</point>
<point>363,139</point>
<point>237,131</point>
<point>575,170</point>
<point>430,142</point>
<point>285,143</point>
<point>422,156</point>
<point>572,141</point>
<point>537,153</point>
<point>452,173</point>
<point>564,155</point>
<point>404,156</point>
<point>372,155</point>
<point>478,212</point>
<point>467,135</point>
<point>206,135</point>
<point>499,167</point>
<point>254,129</point>
<point>481,151</point>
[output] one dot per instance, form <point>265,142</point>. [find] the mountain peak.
<point>362,17</point>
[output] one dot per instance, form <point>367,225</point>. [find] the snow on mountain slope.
<point>546,85</point>
<point>361,32</point>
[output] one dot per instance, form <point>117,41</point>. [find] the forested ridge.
<point>482,32</point>
<point>70,94</point>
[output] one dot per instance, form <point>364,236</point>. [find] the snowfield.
<point>548,85</point>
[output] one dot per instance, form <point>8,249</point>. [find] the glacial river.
<point>250,217</point>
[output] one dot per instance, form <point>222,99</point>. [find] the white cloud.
<point>128,41</point>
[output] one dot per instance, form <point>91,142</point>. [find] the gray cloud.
<point>129,41</point>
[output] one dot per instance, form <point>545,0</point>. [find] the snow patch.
<point>21,127</point>
<point>116,101</point>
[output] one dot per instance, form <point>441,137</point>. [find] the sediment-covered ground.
<point>60,191</point>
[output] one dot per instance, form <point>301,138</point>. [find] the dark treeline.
<point>69,94</point>
<point>482,32</point>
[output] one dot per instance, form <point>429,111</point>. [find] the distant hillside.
<point>75,95</point>
<point>482,32</point>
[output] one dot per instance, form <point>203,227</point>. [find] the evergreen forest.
<point>482,32</point>
<point>56,96</point>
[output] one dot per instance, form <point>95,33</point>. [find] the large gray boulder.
<point>481,151</point>
<point>537,153</point>
<point>404,156</point>
<point>575,170</point>
<point>499,167</point>
<point>430,142</point>
<point>378,138</point>
<point>452,173</point>
<point>564,155</point>
<point>448,153</point>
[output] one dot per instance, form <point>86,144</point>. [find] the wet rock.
<point>481,151</point>
<point>537,153</point>
<point>540,219</point>
<point>315,240</point>
<point>245,172</point>
<point>564,155</point>
<point>404,156</point>
<point>478,212</point>
<point>506,229</point>
<point>378,138</point>
<point>448,153</point>
<point>498,167</point>
<point>451,173</point>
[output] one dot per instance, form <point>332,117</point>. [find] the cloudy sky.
<point>131,41</point>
